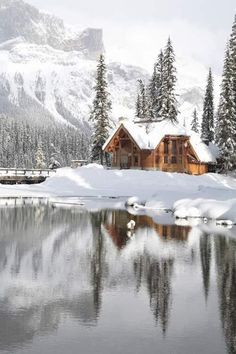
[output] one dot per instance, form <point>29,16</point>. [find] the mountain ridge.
<point>47,71</point>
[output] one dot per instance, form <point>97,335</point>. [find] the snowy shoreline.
<point>210,195</point>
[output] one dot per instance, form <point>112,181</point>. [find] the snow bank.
<point>209,195</point>
<point>209,208</point>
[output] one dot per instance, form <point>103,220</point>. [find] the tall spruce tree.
<point>195,122</point>
<point>232,60</point>
<point>100,114</point>
<point>142,103</point>
<point>156,87</point>
<point>226,124</point>
<point>169,109</point>
<point>40,158</point>
<point>207,134</point>
<point>138,106</point>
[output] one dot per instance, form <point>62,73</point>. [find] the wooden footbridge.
<point>24,175</point>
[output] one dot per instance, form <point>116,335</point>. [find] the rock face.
<point>19,19</point>
<point>42,84</point>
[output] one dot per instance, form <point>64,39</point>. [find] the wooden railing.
<point>26,171</point>
<point>24,175</point>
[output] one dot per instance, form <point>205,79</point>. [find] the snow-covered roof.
<point>157,131</point>
<point>205,153</point>
<point>136,131</point>
<point>148,136</point>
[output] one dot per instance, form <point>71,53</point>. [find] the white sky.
<point>134,31</point>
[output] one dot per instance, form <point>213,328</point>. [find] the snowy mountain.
<point>47,70</point>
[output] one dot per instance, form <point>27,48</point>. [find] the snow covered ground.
<point>210,195</point>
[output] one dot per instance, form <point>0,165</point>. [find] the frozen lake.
<point>77,281</point>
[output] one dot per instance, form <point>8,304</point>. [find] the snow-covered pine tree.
<point>138,106</point>
<point>207,133</point>
<point>232,62</point>
<point>226,124</point>
<point>143,103</point>
<point>156,87</point>
<point>40,158</point>
<point>195,122</point>
<point>169,109</point>
<point>152,92</point>
<point>100,114</point>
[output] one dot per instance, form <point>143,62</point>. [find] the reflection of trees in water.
<point>158,278</point>
<point>153,272</point>
<point>156,274</point>
<point>97,258</point>
<point>205,255</point>
<point>225,250</point>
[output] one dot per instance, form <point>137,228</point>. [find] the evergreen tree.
<point>232,60</point>
<point>195,123</point>
<point>168,98</point>
<point>143,103</point>
<point>226,124</point>
<point>156,88</point>
<point>138,106</point>
<point>208,112</point>
<point>100,112</point>
<point>40,158</point>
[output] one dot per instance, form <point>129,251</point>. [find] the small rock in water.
<point>132,201</point>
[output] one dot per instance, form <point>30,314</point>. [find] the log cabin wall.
<point>147,159</point>
<point>171,155</point>
<point>197,168</point>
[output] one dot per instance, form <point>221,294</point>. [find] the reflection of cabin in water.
<point>163,146</point>
<point>116,227</point>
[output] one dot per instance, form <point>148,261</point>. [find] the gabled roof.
<point>149,136</point>
<point>135,131</point>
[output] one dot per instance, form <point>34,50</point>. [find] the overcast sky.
<point>134,31</point>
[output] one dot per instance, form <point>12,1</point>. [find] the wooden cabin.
<point>163,146</point>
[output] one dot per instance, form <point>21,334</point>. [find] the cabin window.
<point>136,160</point>
<point>166,159</point>
<point>166,147</point>
<point>174,147</point>
<point>164,231</point>
<point>180,148</point>
<point>173,159</point>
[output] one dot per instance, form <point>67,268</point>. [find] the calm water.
<point>73,281</point>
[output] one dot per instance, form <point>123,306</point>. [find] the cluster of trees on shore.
<point>32,146</point>
<point>157,100</point>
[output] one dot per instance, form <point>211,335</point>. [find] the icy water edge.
<point>78,281</point>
